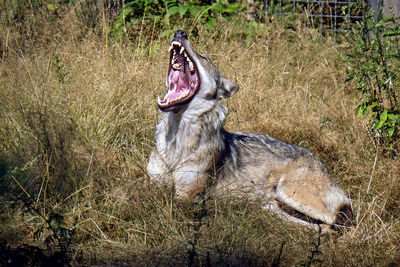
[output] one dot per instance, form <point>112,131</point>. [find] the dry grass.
<point>77,115</point>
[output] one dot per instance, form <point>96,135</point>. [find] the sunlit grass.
<point>76,129</point>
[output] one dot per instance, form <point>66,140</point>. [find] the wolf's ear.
<point>227,88</point>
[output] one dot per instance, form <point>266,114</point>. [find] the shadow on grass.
<point>26,255</point>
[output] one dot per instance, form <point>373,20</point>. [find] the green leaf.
<point>182,10</point>
<point>378,125</point>
<point>360,111</point>
<point>383,117</point>
<point>234,8</point>
<point>390,131</point>
<point>391,116</point>
<point>172,11</point>
<point>217,7</point>
<point>197,10</point>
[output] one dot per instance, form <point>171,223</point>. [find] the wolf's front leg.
<point>158,170</point>
<point>189,183</point>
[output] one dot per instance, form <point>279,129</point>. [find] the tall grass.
<point>77,116</point>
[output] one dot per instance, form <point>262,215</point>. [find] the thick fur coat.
<point>194,152</point>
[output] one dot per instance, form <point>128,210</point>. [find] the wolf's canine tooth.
<point>191,66</point>
<point>176,43</point>
<point>173,58</point>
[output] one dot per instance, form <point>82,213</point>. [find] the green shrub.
<point>373,64</point>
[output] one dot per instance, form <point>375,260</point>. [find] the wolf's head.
<point>192,77</point>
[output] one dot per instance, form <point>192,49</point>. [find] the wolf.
<point>194,152</point>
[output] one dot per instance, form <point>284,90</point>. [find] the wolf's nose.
<point>180,34</point>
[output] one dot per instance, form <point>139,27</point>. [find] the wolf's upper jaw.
<point>183,77</point>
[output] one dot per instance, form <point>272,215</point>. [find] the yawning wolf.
<point>194,152</point>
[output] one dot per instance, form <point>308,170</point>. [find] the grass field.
<point>77,115</point>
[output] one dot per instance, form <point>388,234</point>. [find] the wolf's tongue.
<point>177,86</point>
<point>178,81</point>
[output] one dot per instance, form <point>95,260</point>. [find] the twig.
<point>98,228</point>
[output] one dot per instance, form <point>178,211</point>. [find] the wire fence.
<point>332,15</point>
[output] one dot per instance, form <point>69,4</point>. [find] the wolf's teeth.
<point>191,66</point>
<point>170,48</point>
<point>176,66</point>
<point>173,59</point>
<point>176,43</point>
<point>184,95</point>
<point>182,49</point>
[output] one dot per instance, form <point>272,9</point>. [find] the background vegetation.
<point>77,105</point>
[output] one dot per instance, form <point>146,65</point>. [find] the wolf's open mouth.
<point>183,77</point>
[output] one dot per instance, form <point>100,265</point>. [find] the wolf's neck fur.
<point>192,136</point>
